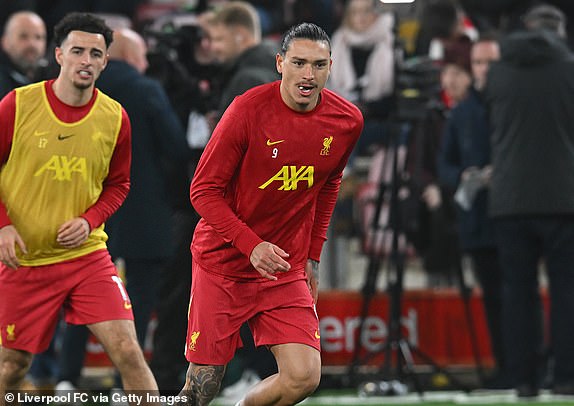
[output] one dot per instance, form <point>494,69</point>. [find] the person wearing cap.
<point>529,96</point>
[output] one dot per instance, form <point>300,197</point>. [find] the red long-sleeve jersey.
<point>270,173</point>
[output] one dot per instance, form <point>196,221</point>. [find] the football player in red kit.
<point>266,187</point>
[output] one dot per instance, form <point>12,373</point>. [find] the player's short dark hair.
<point>82,22</point>
<point>304,31</point>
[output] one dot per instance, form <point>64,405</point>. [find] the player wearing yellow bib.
<point>65,155</point>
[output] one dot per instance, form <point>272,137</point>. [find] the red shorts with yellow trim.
<point>87,288</point>
<point>278,312</point>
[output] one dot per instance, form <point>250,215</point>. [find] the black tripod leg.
<point>465,293</point>
<point>405,352</point>
<point>368,292</point>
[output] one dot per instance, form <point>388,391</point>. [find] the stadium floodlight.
<point>397,1</point>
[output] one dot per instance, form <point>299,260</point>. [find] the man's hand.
<point>312,271</point>
<point>73,233</point>
<point>9,237</point>
<point>268,259</point>
<point>432,196</point>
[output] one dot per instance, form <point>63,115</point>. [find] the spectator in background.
<point>23,51</point>
<point>235,34</point>
<point>363,68</point>
<point>464,163</point>
<point>236,44</point>
<point>529,95</point>
<point>141,230</point>
<point>456,75</point>
<point>434,230</point>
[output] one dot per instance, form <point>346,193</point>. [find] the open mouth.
<point>305,90</point>
<point>84,74</point>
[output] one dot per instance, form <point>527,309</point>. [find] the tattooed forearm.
<point>314,267</point>
<point>202,383</point>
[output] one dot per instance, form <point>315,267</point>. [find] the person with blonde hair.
<point>363,66</point>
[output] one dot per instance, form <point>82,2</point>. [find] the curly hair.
<point>82,22</point>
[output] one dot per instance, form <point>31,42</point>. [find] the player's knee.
<point>303,381</point>
<point>14,365</point>
<point>128,353</point>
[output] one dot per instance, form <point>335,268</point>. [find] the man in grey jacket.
<point>235,33</point>
<point>530,94</point>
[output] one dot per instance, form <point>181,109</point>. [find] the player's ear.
<point>279,60</point>
<point>58,55</point>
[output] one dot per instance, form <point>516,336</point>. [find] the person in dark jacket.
<point>530,94</point>
<point>235,34</point>
<point>464,164</point>
<point>140,232</point>
<point>23,50</point>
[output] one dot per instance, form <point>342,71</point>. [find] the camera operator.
<point>430,214</point>
<point>183,62</point>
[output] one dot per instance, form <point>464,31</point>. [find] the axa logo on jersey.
<point>62,167</point>
<point>289,177</point>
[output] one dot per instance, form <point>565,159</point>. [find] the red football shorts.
<point>88,288</point>
<point>278,312</point>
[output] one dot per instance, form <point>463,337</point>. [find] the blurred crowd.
<point>436,125</point>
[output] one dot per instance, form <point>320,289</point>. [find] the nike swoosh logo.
<point>40,133</point>
<point>317,336</point>
<point>269,142</point>
<point>64,137</point>
<point>127,305</point>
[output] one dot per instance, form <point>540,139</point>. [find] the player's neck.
<point>71,95</point>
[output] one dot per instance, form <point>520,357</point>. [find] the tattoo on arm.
<point>314,268</point>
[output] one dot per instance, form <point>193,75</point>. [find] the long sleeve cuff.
<point>315,249</point>
<point>246,241</point>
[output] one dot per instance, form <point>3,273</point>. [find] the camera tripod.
<point>399,360</point>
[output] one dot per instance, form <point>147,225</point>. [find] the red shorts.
<point>278,312</point>
<point>88,288</point>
